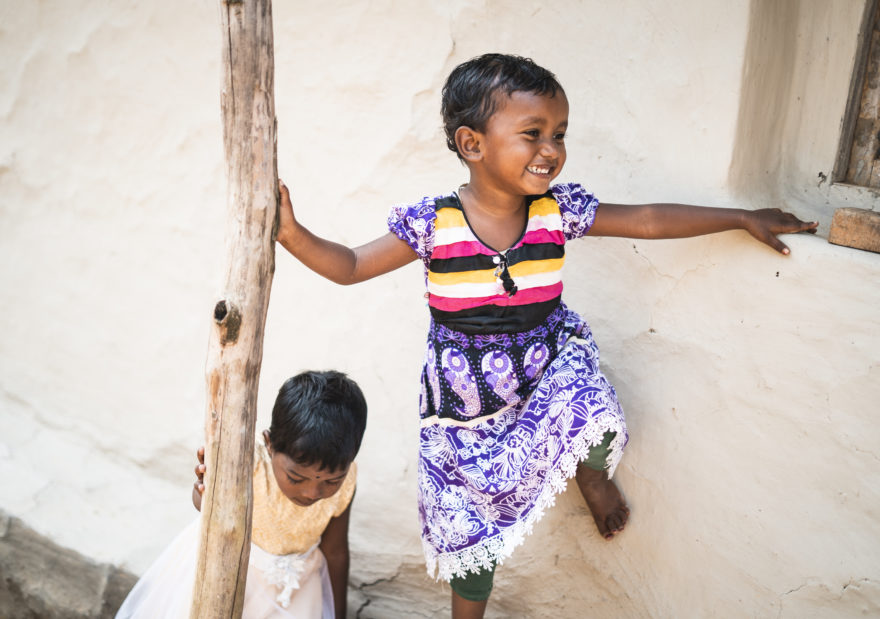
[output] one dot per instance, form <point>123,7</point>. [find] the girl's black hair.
<point>470,93</point>
<point>319,418</point>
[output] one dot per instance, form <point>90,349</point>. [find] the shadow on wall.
<point>39,579</point>
<point>766,88</point>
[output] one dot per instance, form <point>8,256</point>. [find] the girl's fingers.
<point>285,194</point>
<point>804,226</point>
<point>769,238</point>
<point>779,246</point>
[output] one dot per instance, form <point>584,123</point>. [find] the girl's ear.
<point>267,441</point>
<point>468,143</point>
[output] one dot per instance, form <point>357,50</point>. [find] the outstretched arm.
<point>334,545</point>
<point>674,221</point>
<point>337,262</point>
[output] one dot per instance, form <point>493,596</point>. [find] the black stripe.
<point>447,202</point>
<point>495,318</point>
<point>537,251</point>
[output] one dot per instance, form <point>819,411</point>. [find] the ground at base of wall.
<point>39,579</point>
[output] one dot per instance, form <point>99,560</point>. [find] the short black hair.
<point>319,418</point>
<point>469,95</point>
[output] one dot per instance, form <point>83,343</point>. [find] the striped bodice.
<point>466,278</point>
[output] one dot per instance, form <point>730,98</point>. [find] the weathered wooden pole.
<point>235,349</point>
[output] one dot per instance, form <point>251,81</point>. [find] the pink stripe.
<point>522,297</point>
<point>543,235</point>
<point>475,248</point>
<point>460,249</point>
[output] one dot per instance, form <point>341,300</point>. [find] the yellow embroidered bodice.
<point>282,527</point>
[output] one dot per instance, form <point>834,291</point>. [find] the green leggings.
<point>477,587</point>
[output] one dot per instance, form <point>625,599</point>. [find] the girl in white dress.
<point>304,481</point>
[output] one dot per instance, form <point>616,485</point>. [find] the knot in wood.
<point>228,320</point>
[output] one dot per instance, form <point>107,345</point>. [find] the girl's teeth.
<point>537,170</point>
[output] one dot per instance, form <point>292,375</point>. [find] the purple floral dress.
<point>506,416</point>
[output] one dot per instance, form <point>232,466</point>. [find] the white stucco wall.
<point>750,380</point>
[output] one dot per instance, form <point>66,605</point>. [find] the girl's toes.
<point>615,523</point>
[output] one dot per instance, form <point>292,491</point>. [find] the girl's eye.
<point>532,133</point>
<point>559,137</point>
<point>333,483</point>
<point>293,481</point>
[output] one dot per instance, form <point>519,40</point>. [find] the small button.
<point>496,259</point>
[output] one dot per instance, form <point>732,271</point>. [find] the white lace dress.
<point>287,573</point>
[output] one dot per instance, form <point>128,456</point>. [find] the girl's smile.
<point>523,147</point>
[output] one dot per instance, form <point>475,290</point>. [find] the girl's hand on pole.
<point>765,224</point>
<point>337,262</point>
<point>199,485</point>
<point>286,220</point>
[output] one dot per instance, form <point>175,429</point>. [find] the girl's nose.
<point>313,492</point>
<point>549,148</point>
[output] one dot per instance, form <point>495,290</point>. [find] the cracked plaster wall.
<point>750,380</point>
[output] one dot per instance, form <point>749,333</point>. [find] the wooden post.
<point>235,349</point>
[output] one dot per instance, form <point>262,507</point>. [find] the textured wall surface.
<point>750,380</point>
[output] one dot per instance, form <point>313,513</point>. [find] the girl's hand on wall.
<point>765,224</point>
<point>199,485</point>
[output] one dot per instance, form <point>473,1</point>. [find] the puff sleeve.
<point>414,224</point>
<point>577,207</point>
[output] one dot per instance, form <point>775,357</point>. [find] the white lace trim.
<point>498,547</point>
<point>282,571</point>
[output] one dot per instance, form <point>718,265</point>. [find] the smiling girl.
<point>513,401</point>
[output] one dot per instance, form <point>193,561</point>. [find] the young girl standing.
<point>513,402</point>
<point>304,481</point>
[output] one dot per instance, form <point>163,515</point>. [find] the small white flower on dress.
<point>283,571</point>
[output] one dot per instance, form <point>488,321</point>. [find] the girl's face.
<point>523,147</point>
<point>304,485</point>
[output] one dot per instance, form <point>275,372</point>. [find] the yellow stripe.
<point>533,267</point>
<point>471,291</point>
<point>449,217</point>
<point>487,276</point>
<point>544,206</point>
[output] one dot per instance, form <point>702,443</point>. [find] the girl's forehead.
<point>310,471</point>
<point>523,104</point>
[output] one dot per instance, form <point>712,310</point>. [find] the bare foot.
<point>607,505</point>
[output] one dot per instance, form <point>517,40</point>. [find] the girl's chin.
<point>303,502</point>
<point>538,185</point>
